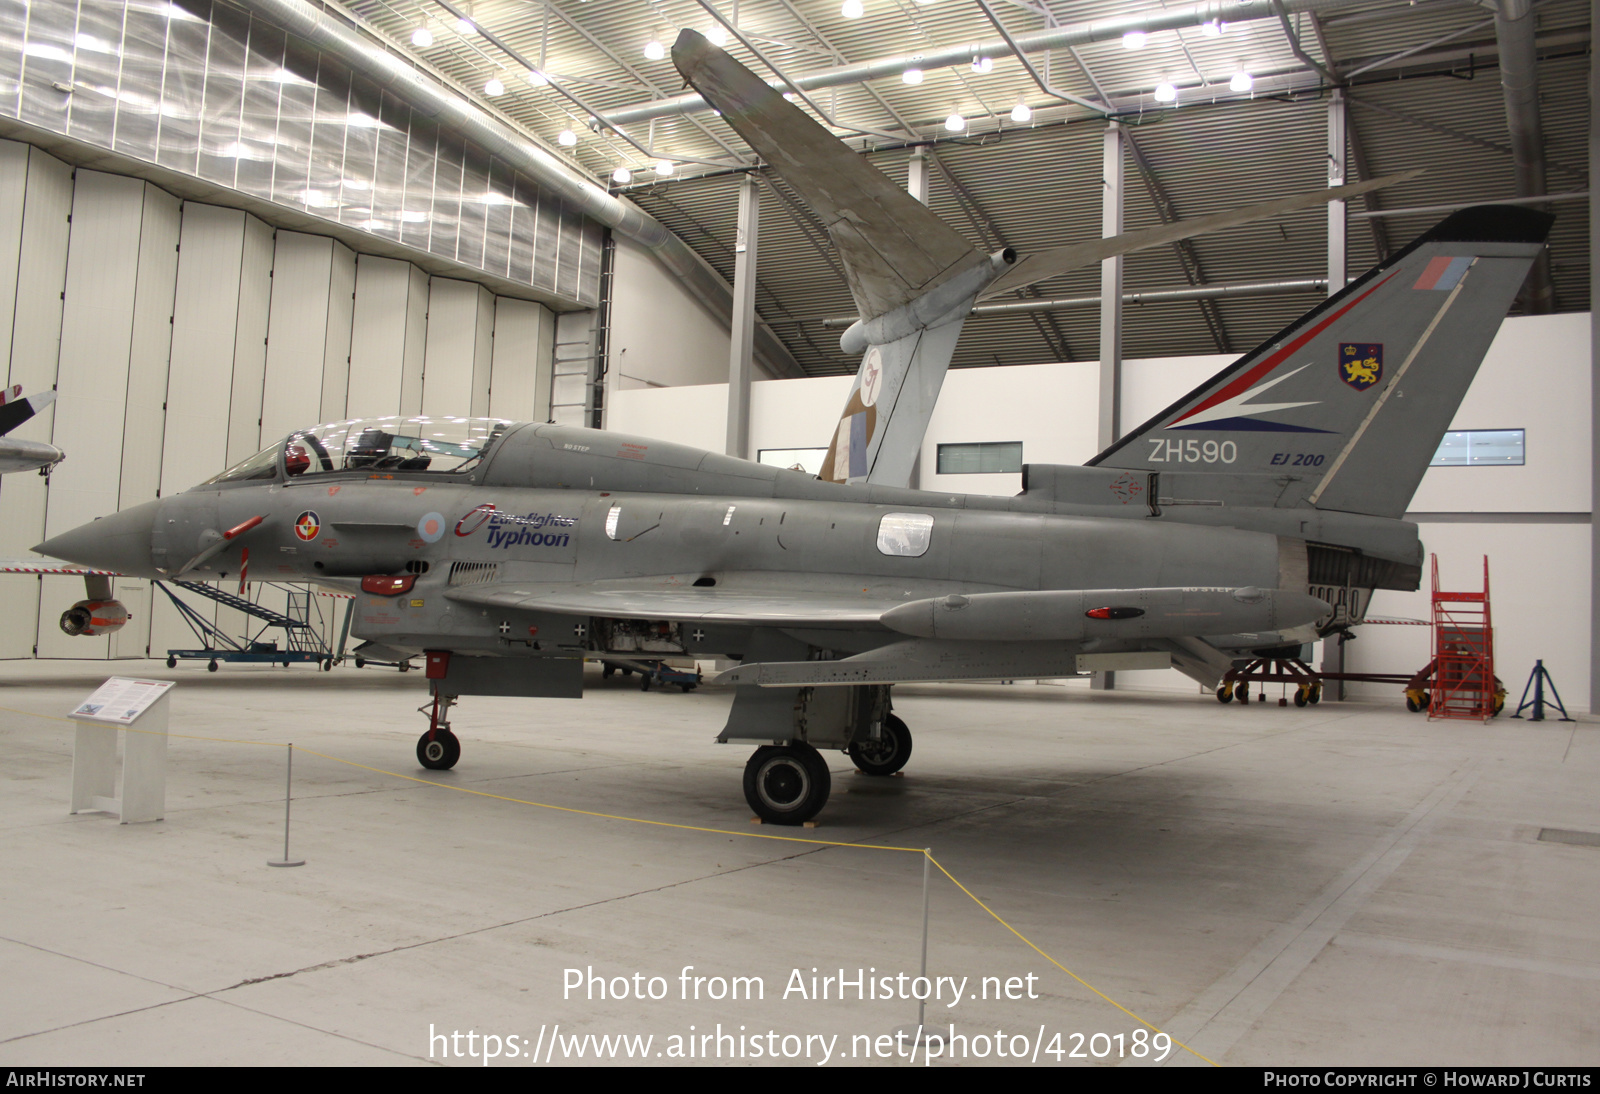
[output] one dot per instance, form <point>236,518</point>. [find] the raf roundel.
<point>307,525</point>
<point>431,527</point>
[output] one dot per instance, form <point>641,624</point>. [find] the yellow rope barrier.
<point>811,841</point>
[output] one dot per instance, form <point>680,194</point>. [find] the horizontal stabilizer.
<point>1043,265</point>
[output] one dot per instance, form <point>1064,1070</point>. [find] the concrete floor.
<point>1341,884</point>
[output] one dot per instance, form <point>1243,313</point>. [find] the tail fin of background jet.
<point>15,409</point>
<point>913,277</point>
<point>1344,409</point>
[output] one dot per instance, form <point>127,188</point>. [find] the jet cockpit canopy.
<point>422,443</point>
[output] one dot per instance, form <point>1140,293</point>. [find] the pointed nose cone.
<point>120,542</point>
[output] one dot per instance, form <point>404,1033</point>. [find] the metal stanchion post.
<point>288,793</point>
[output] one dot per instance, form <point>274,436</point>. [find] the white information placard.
<point>121,700</point>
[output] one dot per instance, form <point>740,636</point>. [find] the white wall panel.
<point>1533,358</point>
<point>13,189</point>
<point>661,335</point>
<point>482,350</point>
<point>523,341</point>
<point>336,346</point>
<point>449,379</point>
<point>416,343</point>
<point>297,333</point>
<point>205,320</point>
<point>381,327</point>
<point>19,596</point>
<point>142,427</point>
<point>250,343</point>
<point>40,275</point>
<point>91,395</point>
<point>200,381</point>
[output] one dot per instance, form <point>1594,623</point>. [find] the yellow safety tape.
<point>684,827</point>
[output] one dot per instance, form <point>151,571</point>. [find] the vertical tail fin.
<point>1347,405</point>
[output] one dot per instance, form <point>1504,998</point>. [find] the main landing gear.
<point>789,784</point>
<point>438,749</point>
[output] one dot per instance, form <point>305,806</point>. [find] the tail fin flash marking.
<point>1443,272</point>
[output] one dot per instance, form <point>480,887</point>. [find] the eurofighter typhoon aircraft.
<point>1257,512</point>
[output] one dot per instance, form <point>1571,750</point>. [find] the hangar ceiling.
<point>1423,81</point>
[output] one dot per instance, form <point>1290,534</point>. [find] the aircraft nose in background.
<point>120,542</point>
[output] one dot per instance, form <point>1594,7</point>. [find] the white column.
<point>1337,220</point>
<point>917,176</point>
<point>1111,289</point>
<point>742,341</point>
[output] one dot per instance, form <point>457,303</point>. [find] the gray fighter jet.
<point>1257,512</point>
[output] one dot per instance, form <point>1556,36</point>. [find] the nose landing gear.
<point>438,749</point>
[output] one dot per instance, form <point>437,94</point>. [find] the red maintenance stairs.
<point>1464,684</point>
<point>1458,683</point>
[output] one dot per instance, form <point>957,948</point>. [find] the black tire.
<point>1411,705</point>
<point>787,784</point>
<point>1301,698</point>
<point>172,662</point>
<point>327,664</point>
<point>405,666</point>
<point>1316,694</point>
<point>687,688</point>
<point>1225,693</point>
<point>608,672</point>
<point>212,665</point>
<point>440,753</point>
<point>1241,691</point>
<point>644,681</point>
<point>887,754</point>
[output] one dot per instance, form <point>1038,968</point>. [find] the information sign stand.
<point>141,792</point>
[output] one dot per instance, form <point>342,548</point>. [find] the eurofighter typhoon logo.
<point>517,529</point>
<point>1360,363</point>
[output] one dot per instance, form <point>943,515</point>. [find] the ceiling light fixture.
<point>663,168</point>
<point>537,78</point>
<point>654,50</point>
<point>566,138</point>
<point>983,65</point>
<point>912,76</point>
<point>955,123</point>
<point>1166,92</point>
<point>852,9</point>
<point>717,36</point>
<point>1241,81</point>
<point>422,37</point>
<point>1022,112</point>
<point>622,175</point>
<point>494,88</point>
<point>1134,39</point>
<point>465,28</point>
<point>1211,28</point>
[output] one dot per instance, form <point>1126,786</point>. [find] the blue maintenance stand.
<point>301,642</point>
<point>1536,681</point>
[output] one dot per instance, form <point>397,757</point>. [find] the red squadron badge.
<point>307,525</point>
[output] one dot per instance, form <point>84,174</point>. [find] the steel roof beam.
<point>1049,38</point>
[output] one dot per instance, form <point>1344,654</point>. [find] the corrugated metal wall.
<point>207,90</point>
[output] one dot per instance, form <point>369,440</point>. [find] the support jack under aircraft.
<point>1256,513</point>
